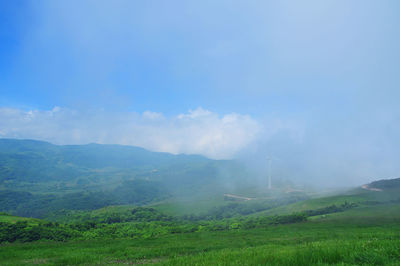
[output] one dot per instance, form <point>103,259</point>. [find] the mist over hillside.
<point>38,179</point>
<point>36,176</point>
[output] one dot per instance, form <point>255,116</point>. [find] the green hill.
<point>38,177</point>
<point>36,161</point>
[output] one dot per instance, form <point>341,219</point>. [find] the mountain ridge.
<point>35,175</point>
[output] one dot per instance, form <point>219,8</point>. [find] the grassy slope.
<point>368,234</point>
<point>354,196</point>
<point>340,238</point>
<point>201,205</point>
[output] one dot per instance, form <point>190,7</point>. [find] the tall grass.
<point>311,243</point>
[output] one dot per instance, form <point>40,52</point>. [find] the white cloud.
<point>152,115</point>
<point>197,132</point>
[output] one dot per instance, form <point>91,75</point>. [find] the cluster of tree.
<point>137,214</point>
<point>330,209</point>
<point>111,215</point>
<point>25,232</point>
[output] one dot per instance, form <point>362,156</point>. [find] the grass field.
<point>284,245</point>
<point>367,235</point>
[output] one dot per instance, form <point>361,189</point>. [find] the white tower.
<point>269,173</point>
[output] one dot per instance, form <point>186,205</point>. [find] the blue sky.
<point>252,57</point>
<point>313,77</point>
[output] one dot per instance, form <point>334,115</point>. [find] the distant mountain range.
<point>37,177</point>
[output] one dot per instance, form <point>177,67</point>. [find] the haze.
<point>312,84</point>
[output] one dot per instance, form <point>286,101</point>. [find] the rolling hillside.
<point>38,177</point>
<point>362,196</point>
<point>359,231</point>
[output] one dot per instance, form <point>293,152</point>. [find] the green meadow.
<point>337,241</point>
<point>367,234</point>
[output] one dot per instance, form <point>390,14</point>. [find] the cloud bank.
<point>198,131</point>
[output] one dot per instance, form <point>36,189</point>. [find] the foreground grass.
<point>348,252</point>
<point>315,242</point>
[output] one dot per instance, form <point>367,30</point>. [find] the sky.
<point>312,84</point>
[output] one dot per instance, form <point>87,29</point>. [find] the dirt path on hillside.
<point>232,196</point>
<point>237,197</point>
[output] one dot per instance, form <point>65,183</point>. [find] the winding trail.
<point>232,196</point>
<point>237,197</point>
